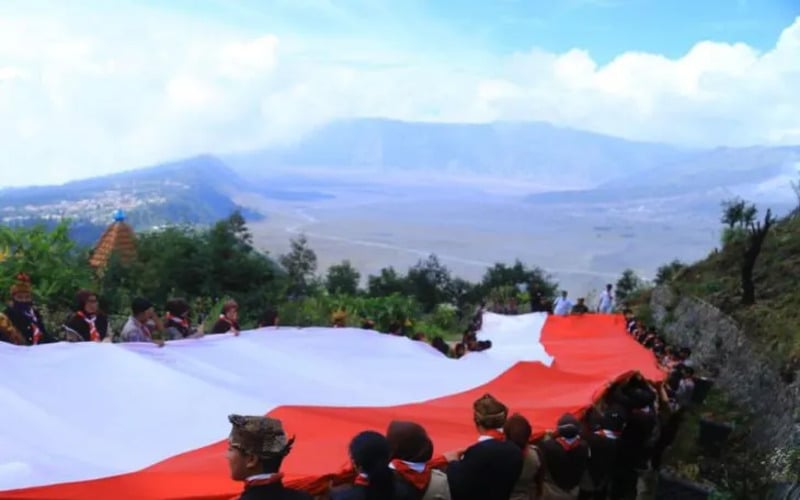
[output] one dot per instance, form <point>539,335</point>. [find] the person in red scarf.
<point>21,323</point>
<point>529,483</point>
<point>256,449</point>
<point>411,453</point>
<point>228,321</point>
<point>177,324</point>
<point>488,469</point>
<point>565,457</point>
<point>370,454</point>
<point>602,439</point>
<point>88,324</point>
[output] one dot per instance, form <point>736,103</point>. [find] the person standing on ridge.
<point>562,305</point>
<point>606,304</point>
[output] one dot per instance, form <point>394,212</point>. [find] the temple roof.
<point>119,237</point>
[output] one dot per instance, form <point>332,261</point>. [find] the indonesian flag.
<point>132,421</point>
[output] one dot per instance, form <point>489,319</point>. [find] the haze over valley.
<point>384,193</point>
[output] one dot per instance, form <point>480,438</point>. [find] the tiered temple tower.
<point>118,238</point>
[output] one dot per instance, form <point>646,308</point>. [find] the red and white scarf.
<point>569,444</point>
<point>180,320</point>
<point>492,434</point>
<point>35,330</point>
<point>94,334</point>
<point>416,474</point>
<point>608,434</point>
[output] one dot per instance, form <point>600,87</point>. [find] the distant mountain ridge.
<point>193,191</point>
<point>536,151</point>
<point>574,166</point>
<point>759,173</point>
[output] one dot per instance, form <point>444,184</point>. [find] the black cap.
<point>140,305</point>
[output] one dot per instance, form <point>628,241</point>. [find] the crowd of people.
<point>21,323</point>
<point>597,457</point>
<point>601,455</point>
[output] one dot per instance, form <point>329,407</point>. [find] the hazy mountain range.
<point>568,166</point>
<point>548,155</point>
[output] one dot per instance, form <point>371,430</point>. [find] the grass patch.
<point>772,321</point>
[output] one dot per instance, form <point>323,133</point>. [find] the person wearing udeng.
<point>88,324</point>
<point>256,449</point>
<point>488,470</point>
<point>20,322</point>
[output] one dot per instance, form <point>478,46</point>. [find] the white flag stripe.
<point>82,411</point>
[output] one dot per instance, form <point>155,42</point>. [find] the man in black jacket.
<point>488,469</point>
<point>256,449</point>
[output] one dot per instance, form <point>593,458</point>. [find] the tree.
<point>342,279</point>
<point>627,284</point>
<point>796,189</point>
<point>387,282</point>
<point>756,234</point>
<point>430,282</point>
<point>667,272</point>
<point>56,266</point>
<point>737,215</point>
<point>300,265</point>
<point>500,275</point>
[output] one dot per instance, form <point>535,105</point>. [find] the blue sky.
<point>92,86</point>
<point>605,28</point>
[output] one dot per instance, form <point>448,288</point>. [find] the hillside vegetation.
<point>771,323</point>
<point>774,318</point>
<point>207,265</point>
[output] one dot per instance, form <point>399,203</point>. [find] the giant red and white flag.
<point>88,420</point>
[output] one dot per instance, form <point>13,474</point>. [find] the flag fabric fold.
<point>96,420</point>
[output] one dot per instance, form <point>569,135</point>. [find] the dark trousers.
<point>601,494</point>
<point>668,432</point>
<point>623,484</point>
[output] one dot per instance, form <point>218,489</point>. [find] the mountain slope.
<point>193,191</point>
<point>760,174</point>
<point>535,151</point>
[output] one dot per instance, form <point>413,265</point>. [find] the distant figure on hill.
<point>562,306</point>
<point>606,304</point>
<point>21,323</point>
<point>538,303</point>
<point>580,307</point>
<point>88,324</point>
<point>229,319</point>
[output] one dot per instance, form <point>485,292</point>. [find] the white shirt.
<point>562,306</point>
<point>606,302</point>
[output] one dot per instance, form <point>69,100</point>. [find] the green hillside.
<point>772,321</point>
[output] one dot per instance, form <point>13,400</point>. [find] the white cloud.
<point>77,100</point>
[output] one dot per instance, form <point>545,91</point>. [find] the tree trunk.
<point>756,236</point>
<point>748,287</point>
